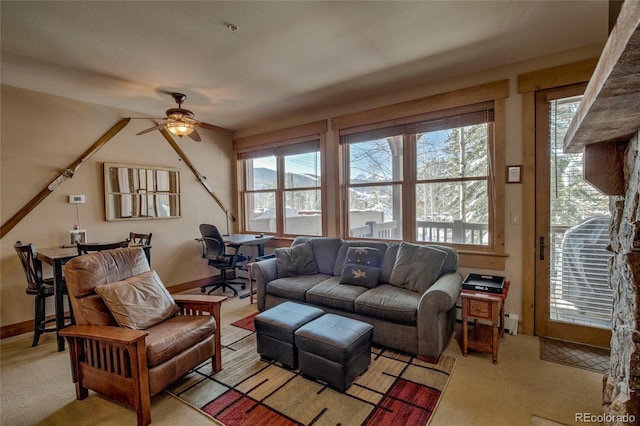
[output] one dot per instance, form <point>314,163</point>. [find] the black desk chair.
<point>92,248</point>
<point>40,287</point>
<point>214,250</point>
<point>142,239</point>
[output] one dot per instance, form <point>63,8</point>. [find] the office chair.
<point>214,250</point>
<point>141,239</point>
<point>40,287</point>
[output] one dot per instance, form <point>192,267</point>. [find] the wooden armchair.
<point>126,364</point>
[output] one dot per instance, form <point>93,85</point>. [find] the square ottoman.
<point>334,349</point>
<point>275,327</point>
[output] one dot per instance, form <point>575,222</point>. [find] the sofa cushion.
<point>296,260</point>
<point>332,294</point>
<point>138,302</point>
<point>389,303</point>
<point>417,267</point>
<point>170,337</point>
<point>451,262</point>
<point>360,275</point>
<point>363,256</point>
<point>325,250</point>
<point>388,261</point>
<point>341,257</point>
<point>294,288</point>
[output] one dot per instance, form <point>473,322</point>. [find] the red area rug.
<point>246,322</point>
<point>396,389</point>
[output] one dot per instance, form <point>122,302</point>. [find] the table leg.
<point>218,339</point>
<point>59,297</point>
<point>249,267</point>
<point>495,343</point>
<point>465,327</point>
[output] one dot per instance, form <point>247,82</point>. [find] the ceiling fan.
<point>181,122</point>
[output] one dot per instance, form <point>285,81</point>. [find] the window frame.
<point>430,108</point>
<point>279,142</point>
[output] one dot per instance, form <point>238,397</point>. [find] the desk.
<point>57,257</point>
<point>248,240</point>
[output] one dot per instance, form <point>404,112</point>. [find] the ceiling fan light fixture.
<point>180,128</point>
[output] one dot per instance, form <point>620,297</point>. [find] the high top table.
<point>57,257</point>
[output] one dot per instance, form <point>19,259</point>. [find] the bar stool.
<point>40,287</point>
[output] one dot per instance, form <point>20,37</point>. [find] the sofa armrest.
<point>263,272</point>
<point>434,321</point>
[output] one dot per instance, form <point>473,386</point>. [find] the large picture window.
<point>281,190</point>
<point>423,181</point>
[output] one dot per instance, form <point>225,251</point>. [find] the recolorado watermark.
<point>604,418</point>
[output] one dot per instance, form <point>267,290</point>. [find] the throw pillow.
<point>417,267</point>
<point>296,260</point>
<point>362,256</point>
<point>138,302</point>
<point>359,274</point>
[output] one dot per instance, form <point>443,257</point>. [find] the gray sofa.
<point>409,300</point>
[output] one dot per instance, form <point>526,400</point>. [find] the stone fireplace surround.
<point>621,398</point>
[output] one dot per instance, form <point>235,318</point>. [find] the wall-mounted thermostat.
<point>76,199</point>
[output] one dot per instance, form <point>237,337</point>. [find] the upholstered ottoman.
<point>334,349</point>
<point>275,328</point>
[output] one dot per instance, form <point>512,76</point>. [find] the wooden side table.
<point>483,306</point>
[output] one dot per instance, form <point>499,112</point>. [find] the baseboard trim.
<point>27,326</point>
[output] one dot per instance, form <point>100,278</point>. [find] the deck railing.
<point>441,232</point>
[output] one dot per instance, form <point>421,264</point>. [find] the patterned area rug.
<point>575,354</point>
<point>396,389</point>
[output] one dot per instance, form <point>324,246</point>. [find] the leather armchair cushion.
<point>171,337</point>
<point>138,302</point>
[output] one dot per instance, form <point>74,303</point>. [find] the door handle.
<point>542,247</point>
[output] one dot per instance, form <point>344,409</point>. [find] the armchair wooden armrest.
<point>201,304</point>
<point>111,361</point>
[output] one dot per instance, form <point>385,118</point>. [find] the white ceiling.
<point>287,57</point>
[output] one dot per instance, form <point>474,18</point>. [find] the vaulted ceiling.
<point>284,58</point>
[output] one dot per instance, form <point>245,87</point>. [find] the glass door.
<point>573,297</point>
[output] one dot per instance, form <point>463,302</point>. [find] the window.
<point>440,192</point>
<point>375,175</point>
<point>281,189</point>
<point>453,181</point>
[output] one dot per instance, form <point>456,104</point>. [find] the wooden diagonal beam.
<point>64,175</point>
<point>195,171</point>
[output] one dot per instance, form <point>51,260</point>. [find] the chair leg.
<point>39,317</point>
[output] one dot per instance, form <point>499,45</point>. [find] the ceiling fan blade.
<point>216,128</point>
<point>150,129</point>
<point>195,135</point>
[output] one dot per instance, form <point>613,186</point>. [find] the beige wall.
<point>43,134</point>
<point>35,146</point>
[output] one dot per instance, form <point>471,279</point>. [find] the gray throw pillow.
<point>362,275</point>
<point>296,260</point>
<point>362,256</point>
<point>417,267</point>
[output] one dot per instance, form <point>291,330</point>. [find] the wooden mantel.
<point>609,113</point>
